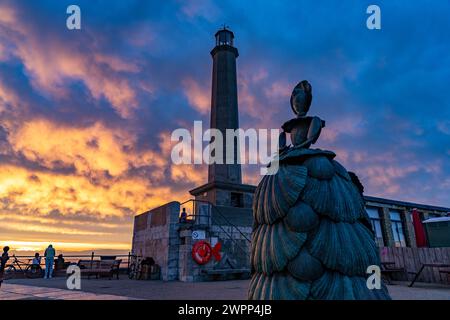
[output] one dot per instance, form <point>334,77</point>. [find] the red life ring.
<point>201,252</point>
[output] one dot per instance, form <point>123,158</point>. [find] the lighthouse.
<point>224,104</point>
<point>224,186</point>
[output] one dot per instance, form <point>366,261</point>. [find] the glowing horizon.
<point>40,246</point>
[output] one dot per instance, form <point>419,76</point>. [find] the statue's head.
<point>301,98</point>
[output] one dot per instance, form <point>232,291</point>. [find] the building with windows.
<point>392,220</point>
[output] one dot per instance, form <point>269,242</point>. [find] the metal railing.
<point>73,259</point>
<point>219,214</point>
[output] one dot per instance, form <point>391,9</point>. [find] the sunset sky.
<point>86,116</point>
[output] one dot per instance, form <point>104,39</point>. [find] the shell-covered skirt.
<point>311,237</point>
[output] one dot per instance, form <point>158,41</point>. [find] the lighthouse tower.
<point>224,104</point>
<point>224,187</point>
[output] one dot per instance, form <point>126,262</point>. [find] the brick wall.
<point>155,235</point>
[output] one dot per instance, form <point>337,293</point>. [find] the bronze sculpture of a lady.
<point>312,237</point>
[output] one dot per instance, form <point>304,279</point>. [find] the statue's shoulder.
<point>299,121</point>
<point>303,153</point>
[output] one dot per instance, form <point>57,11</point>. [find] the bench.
<point>99,268</point>
<point>387,271</point>
<point>446,272</point>
<point>428,265</point>
<point>88,267</point>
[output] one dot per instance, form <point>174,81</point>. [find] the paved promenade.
<point>25,292</point>
<point>96,289</point>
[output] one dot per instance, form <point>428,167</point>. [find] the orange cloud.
<point>199,96</point>
<point>91,151</point>
<point>255,95</point>
<point>53,222</point>
<point>8,98</point>
<point>8,15</point>
<point>33,194</point>
<point>348,125</point>
<point>70,66</point>
<point>51,63</point>
<point>49,229</point>
<point>278,90</point>
<point>73,195</point>
<point>189,173</point>
<point>88,149</point>
<point>116,63</point>
<point>385,176</point>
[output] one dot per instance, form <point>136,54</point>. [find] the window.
<point>203,214</point>
<point>375,221</point>
<point>397,228</point>
<point>237,200</point>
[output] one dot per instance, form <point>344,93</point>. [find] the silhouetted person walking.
<point>49,260</point>
<point>3,260</point>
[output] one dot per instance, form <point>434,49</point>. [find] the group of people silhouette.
<point>49,257</point>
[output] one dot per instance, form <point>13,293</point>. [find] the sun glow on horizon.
<point>38,246</point>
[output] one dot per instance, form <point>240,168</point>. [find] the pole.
<point>128,262</point>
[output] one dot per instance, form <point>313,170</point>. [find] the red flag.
<point>421,239</point>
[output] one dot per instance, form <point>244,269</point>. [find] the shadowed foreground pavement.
<point>99,289</point>
<point>24,292</point>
